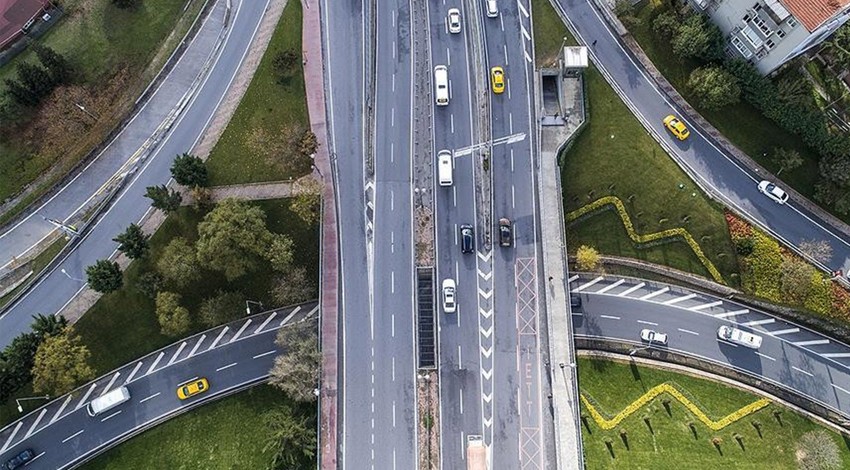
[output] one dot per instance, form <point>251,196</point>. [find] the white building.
<point>769,33</point>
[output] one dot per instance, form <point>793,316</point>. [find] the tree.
<point>104,276</point>
<point>587,258</point>
<point>149,283</point>
<point>698,38</point>
<point>232,238</point>
<point>173,318</point>
<point>48,325</point>
<point>126,4</point>
<point>57,66</point>
<point>714,87</point>
<point>16,362</point>
<point>818,250</point>
<point>189,170</point>
<point>133,242</point>
<point>666,24</point>
<point>35,79</point>
<point>293,286</point>
<point>308,144</point>
<point>61,363</point>
<point>178,263</point>
<point>19,93</point>
<point>164,199</point>
<point>223,307</point>
<point>308,202</point>
<point>296,370</point>
<point>786,159</point>
<point>291,437</point>
<point>796,278</point>
<point>817,450</point>
<point>279,253</point>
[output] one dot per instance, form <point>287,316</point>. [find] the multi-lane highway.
<point>232,357</point>
<point>803,361</point>
<point>714,169</point>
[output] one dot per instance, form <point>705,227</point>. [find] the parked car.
<point>19,460</point>
<point>773,191</point>
<point>677,127</point>
<point>454,20</point>
<point>652,336</point>
<point>192,388</point>
<point>497,79</point>
<point>506,233</point>
<point>449,302</point>
<point>467,239</point>
<point>739,337</point>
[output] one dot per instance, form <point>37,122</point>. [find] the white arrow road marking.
<point>485,313</point>
<point>610,286</point>
<point>655,294</point>
<point>679,299</point>
<point>487,332</point>
<point>487,374</point>
<point>486,295</point>
<point>588,284</point>
<point>487,352</point>
<point>487,276</point>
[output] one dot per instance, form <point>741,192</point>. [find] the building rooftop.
<point>14,14</point>
<point>812,13</point>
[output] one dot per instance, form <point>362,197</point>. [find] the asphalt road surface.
<point>729,182</point>
<point>806,362</point>
<point>56,289</point>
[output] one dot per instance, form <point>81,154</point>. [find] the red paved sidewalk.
<point>311,43</point>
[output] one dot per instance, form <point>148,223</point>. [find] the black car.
<point>19,460</point>
<point>467,239</point>
<point>575,301</point>
<point>506,236</point>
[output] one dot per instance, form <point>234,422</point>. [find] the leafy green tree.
<point>178,263</point>
<point>714,87</point>
<point>666,24</point>
<point>164,199</point>
<point>296,370</point>
<point>133,242</point>
<point>57,65</point>
<point>104,276</point>
<point>35,79</point>
<point>796,278</point>
<point>698,38</point>
<point>293,286</point>
<point>279,252</point>
<point>19,93</point>
<point>48,325</point>
<point>149,283</point>
<point>61,363</point>
<point>786,159</point>
<point>16,361</point>
<point>189,170</point>
<point>233,238</point>
<point>173,318</point>
<point>223,307</point>
<point>291,438</point>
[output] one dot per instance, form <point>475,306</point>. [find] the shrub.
<point>766,263</point>
<point>587,258</point>
<point>698,38</point>
<point>817,450</point>
<point>714,87</point>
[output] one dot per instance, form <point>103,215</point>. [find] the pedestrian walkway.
<point>257,191</point>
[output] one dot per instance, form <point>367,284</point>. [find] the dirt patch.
<point>428,429</point>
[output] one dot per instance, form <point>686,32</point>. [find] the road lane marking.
<point>264,354</point>
<point>513,197</point>
<point>647,323</point>
<point>759,322</point>
<point>393,413</point>
<point>176,354</point>
<point>839,388</point>
<point>459,358</point>
<point>610,286</point>
<point>512,163</point>
<point>218,338</point>
<point>393,369</point>
<point>112,415</point>
<point>34,459</point>
<point>835,355</point>
<point>155,362</point>
<point>765,356</point>
<point>61,409</point>
<point>588,284</point>
<point>12,436</point>
<point>73,436</point>
<point>679,299</point>
<point>34,424</point>
<point>688,331</point>
<point>502,22</point>
<point>461,400</point>
<point>392,201</point>
<point>631,289</point>
<point>505,47</point>
<point>197,345</point>
<point>522,8</point>
<point>727,342</point>
<point>732,314</point>
<point>392,117</point>
<point>241,330</point>
<point>226,367</point>
<point>150,397</point>
<point>811,343</point>
<point>111,383</point>
<point>784,332</point>
<point>452,122</point>
<point>708,305</point>
<point>610,317</point>
<point>572,278</point>
<point>133,373</point>
<point>803,371</point>
<point>448,57</point>
<point>392,319</point>
<point>392,152</point>
<point>654,294</point>
<point>393,82</point>
<point>85,397</point>
<point>291,314</point>
<point>392,282</point>
<point>524,32</point>
<point>511,122</point>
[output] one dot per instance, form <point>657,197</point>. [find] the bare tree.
<point>296,370</point>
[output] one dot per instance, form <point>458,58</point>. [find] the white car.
<point>454,20</point>
<point>652,336</point>
<point>773,191</point>
<point>739,337</point>
<point>449,302</point>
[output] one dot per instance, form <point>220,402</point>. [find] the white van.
<point>444,168</point>
<point>441,85</point>
<point>108,400</point>
<point>492,9</point>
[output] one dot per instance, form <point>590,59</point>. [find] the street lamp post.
<point>71,277</point>
<point>248,305</point>
<point>633,351</point>
<point>19,400</point>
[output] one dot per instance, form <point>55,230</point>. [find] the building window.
<point>746,18</point>
<point>792,22</point>
<point>780,33</point>
<point>761,54</point>
<point>757,7</point>
<point>769,44</point>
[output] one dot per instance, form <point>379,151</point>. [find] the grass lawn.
<point>214,436</point>
<point>99,40</point>
<point>36,265</point>
<point>272,112</point>
<point>549,33</point>
<point>614,385</point>
<point>742,124</point>
<point>122,325</point>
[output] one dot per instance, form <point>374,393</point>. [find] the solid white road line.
<point>647,323</point>
<point>111,382</point>
<point>155,362</point>
<point>767,321</point>
<point>73,436</point>
<point>61,408</point>
<point>688,331</point>
<point>631,289</point>
<point>803,371</point>
<point>732,314</point>
<point>588,284</point>
<point>709,305</point>
<point>150,397</point>
<point>177,354</point>
<point>765,356</point>
<point>679,299</point>
<point>655,294</point>
<point>610,317</point>
<point>784,332</point>
<point>811,343</point>
<point>198,344</point>
<point>241,330</point>
<point>133,373</point>
<point>218,338</point>
<point>85,397</point>
<point>226,367</point>
<point>610,286</point>
<point>264,354</point>
<point>35,423</point>
<point>111,416</point>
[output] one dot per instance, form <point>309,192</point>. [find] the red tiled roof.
<point>14,14</point>
<point>812,13</point>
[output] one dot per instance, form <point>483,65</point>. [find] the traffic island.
<point>428,427</point>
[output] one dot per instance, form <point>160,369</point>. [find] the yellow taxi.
<point>497,79</point>
<point>192,388</point>
<point>677,127</point>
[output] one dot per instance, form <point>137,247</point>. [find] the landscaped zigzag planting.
<point>606,423</point>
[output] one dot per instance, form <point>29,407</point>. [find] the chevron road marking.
<point>767,321</point>
<point>679,299</point>
<point>708,305</point>
<point>487,276</point>
<point>200,340</point>
<point>85,397</point>
<point>487,374</point>
<point>784,332</point>
<point>811,343</point>
<point>488,397</point>
<point>486,295</point>
<point>176,354</point>
<point>487,332</point>
<point>486,257</point>
<point>61,409</point>
<point>610,286</point>
<point>631,289</point>
<point>487,352</point>
<point>485,313</point>
<point>218,338</point>
<point>732,314</point>
<point>655,294</point>
<point>12,436</point>
<point>111,382</point>
<point>588,284</point>
<point>133,373</point>
<point>37,420</point>
<point>488,422</point>
<point>155,362</point>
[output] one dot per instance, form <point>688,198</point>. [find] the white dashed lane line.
<point>803,371</point>
<point>647,323</point>
<point>264,354</point>
<point>610,317</point>
<point>73,436</point>
<point>225,367</point>
<point>150,397</point>
<point>688,331</point>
